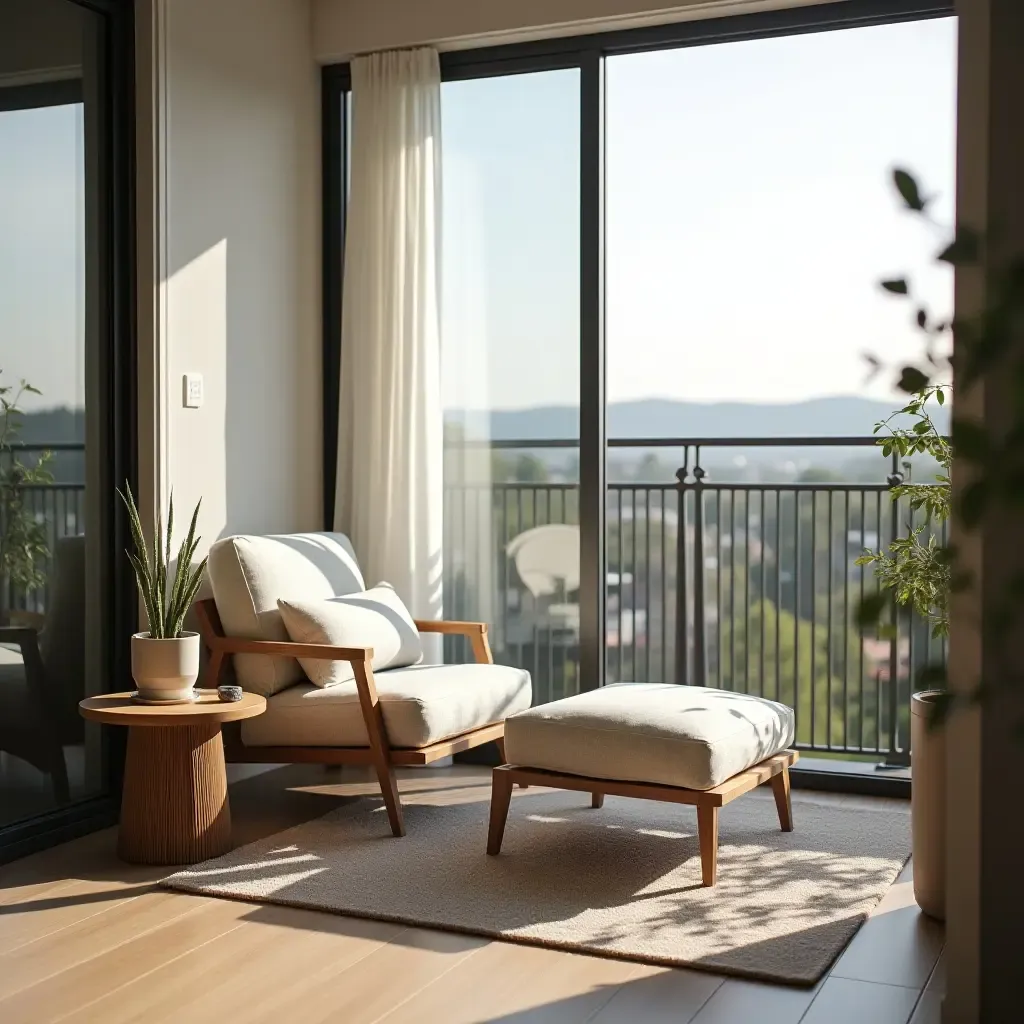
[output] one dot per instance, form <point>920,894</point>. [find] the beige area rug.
<point>622,881</point>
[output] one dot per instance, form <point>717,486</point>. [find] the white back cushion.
<point>250,574</point>
<point>375,618</point>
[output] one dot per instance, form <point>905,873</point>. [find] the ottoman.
<point>655,741</point>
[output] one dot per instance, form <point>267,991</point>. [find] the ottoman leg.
<point>504,760</point>
<point>707,830</point>
<point>780,787</point>
<point>597,799</point>
<point>501,796</point>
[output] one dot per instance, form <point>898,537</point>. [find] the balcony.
<point>731,563</point>
<point>760,596</point>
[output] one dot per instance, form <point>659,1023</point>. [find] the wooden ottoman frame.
<point>774,769</point>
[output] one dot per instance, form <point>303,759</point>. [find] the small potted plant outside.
<point>24,548</point>
<point>917,569</point>
<point>165,658</point>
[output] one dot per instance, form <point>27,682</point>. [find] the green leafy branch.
<point>921,573</point>
<point>166,607</point>
<point>917,568</point>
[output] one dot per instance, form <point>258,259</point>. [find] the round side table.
<point>174,805</point>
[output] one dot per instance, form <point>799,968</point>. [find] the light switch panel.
<point>193,390</point>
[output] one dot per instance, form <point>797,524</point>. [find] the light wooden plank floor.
<point>85,938</point>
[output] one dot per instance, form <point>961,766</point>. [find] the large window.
<point>661,250</point>
<point>65,427</point>
<point>511,366</point>
<point>750,216</point>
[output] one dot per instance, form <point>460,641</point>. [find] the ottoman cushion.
<point>694,737</point>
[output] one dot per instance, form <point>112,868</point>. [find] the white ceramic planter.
<point>928,805</point>
<point>165,670</point>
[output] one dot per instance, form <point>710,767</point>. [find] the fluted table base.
<point>174,808</point>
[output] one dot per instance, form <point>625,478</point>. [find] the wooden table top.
<point>120,709</point>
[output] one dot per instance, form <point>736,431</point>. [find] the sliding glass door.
<point>750,216</point>
<point>661,250</point>
<point>511,367</point>
<point>65,387</point>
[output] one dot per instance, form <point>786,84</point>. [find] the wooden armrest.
<point>450,627</point>
<point>280,648</point>
<point>476,631</point>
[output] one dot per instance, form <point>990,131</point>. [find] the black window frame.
<point>117,432</point>
<point>34,95</point>
<point>587,53</point>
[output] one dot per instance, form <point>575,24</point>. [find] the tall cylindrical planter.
<point>928,804</point>
<point>165,671</point>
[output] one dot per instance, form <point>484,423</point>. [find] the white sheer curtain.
<point>389,484</point>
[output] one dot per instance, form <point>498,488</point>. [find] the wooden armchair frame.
<point>380,754</point>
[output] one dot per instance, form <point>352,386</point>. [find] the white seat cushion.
<point>421,705</point>
<point>689,736</point>
<point>375,618</point>
<point>249,575</point>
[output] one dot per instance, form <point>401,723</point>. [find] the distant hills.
<point>841,415</point>
<point>53,426</point>
<point>57,426</point>
<point>837,416</point>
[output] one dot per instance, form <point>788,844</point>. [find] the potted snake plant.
<point>165,658</point>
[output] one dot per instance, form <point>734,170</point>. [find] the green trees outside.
<point>772,654</point>
<point>524,468</point>
<point>781,584</point>
<point>797,642</point>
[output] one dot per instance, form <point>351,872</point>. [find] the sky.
<point>41,253</point>
<point>749,218</point>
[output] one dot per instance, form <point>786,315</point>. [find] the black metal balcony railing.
<point>746,585</point>
<point>741,584</point>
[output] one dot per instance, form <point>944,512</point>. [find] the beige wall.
<point>232,169</point>
<point>342,28</point>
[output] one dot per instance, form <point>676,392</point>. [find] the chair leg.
<point>597,799</point>
<point>501,796</point>
<point>707,830</point>
<point>392,801</point>
<point>373,717</point>
<point>780,787</point>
